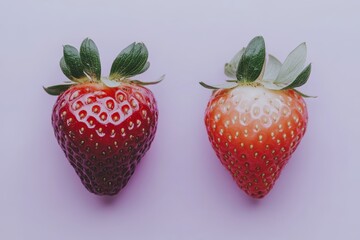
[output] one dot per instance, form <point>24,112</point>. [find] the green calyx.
<point>84,66</point>
<point>249,67</point>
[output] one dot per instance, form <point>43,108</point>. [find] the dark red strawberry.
<point>104,125</point>
<point>256,121</point>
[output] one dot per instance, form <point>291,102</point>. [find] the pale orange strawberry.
<point>257,121</point>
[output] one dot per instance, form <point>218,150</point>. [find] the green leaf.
<point>228,85</point>
<point>123,57</point>
<point>230,67</point>
<point>148,83</point>
<point>130,62</point>
<point>304,95</point>
<point>57,89</point>
<point>146,67</point>
<point>252,61</point>
<point>65,69</point>
<point>73,61</point>
<point>293,65</point>
<point>90,58</point>
<point>272,68</point>
<point>301,79</point>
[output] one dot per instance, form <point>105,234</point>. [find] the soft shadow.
<point>253,203</point>
<point>108,200</point>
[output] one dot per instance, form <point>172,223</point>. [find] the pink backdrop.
<point>180,190</point>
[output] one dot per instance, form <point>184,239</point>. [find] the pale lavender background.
<point>180,190</point>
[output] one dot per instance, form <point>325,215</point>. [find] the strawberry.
<point>104,125</point>
<point>257,119</point>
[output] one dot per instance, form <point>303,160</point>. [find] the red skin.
<point>254,132</point>
<point>104,132</point>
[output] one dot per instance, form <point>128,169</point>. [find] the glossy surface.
<point>104,132</point>
<point>254,132</point>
